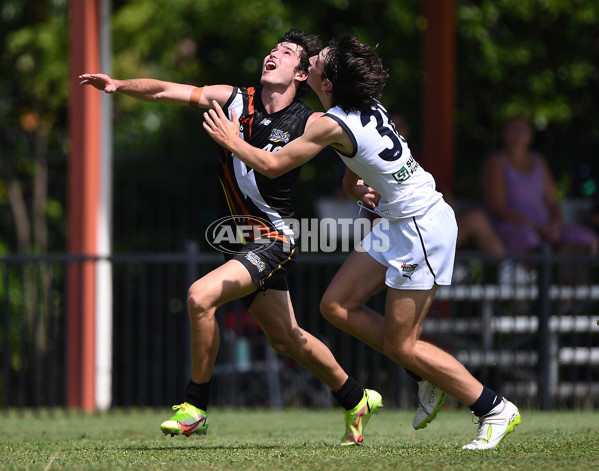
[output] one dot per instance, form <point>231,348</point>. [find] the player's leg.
<point>404,313</point>
<point>357,280</point>
<point>226,283</point>
<point>342,304</point>
<point>274,312</point>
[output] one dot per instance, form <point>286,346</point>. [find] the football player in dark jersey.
<point>255,265</point>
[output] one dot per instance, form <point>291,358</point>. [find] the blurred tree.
<point>32,122</point>
<point>33,129</point>
<point>537,56</point>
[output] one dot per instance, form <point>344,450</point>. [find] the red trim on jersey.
<point>251,109</point>
<point>272,234</point>
<point>234,197</point>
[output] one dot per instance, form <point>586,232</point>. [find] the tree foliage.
<point>534,56</point>
<point>34,90</point>
<point>539,58</point>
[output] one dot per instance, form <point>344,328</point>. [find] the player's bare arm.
<point>153,90</point>
<point>322,133</point>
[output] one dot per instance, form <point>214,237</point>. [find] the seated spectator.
<point>521,195</point>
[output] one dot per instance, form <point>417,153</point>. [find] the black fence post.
<point>543,332</point>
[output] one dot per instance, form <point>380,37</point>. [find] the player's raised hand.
<point>218,126</point>
<point>100,81</point>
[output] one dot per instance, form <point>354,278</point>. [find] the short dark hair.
<point>356,72</point>
<point>310,46</point>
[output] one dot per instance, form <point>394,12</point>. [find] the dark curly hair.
<point>356,72</point>
<point>311,46</point>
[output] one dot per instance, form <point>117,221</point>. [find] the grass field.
<point>291,440</point>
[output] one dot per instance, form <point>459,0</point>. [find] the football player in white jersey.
<point>410,254</point>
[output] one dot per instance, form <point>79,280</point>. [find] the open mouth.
<point>270,65</point>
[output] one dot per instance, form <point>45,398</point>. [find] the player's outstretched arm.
<point>294,154</point>
<point>159,91</point>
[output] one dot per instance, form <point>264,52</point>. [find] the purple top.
<point>525,191</point>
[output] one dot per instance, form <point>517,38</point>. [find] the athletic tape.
<point>196,95</point>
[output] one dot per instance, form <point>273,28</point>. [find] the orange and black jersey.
<point>248,193</point>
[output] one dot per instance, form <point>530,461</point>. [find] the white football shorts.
<point>419,251</point>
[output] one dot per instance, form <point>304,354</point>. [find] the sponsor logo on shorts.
<point>255,260</point>
<point>409,269</point>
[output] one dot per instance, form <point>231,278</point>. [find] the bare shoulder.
<point>325,126</point>
<point>548,174</point>
<point>493,161</point>
<point>313,117</point>
<point>494,156</point>
<point>541,158</point>
<point>491,170</point>
<point>336,136</point>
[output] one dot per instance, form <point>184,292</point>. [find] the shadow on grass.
<point>217,447</point>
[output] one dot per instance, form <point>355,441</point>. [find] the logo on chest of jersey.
<point>279,136</point>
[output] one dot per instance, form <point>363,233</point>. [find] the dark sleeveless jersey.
<point>247,193</point>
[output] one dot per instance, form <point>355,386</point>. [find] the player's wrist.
<point>116,85</point>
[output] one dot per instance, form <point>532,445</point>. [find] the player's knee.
<point>286,342</point>
<point>197,299</point>
<point>398,352</point>
<point>282,344</point>
<point>330,309</point>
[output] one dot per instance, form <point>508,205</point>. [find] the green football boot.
<point>188,420</point>
<point>357,418</point>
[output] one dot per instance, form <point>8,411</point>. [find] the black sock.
<point>198,394</point>
<point>487,401</point>
<point>413,375</point>
<point>350,394</point>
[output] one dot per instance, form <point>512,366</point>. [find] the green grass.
<point>291,440</point>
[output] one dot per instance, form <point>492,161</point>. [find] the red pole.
<point>439,92</point>
<point>84,175</point>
